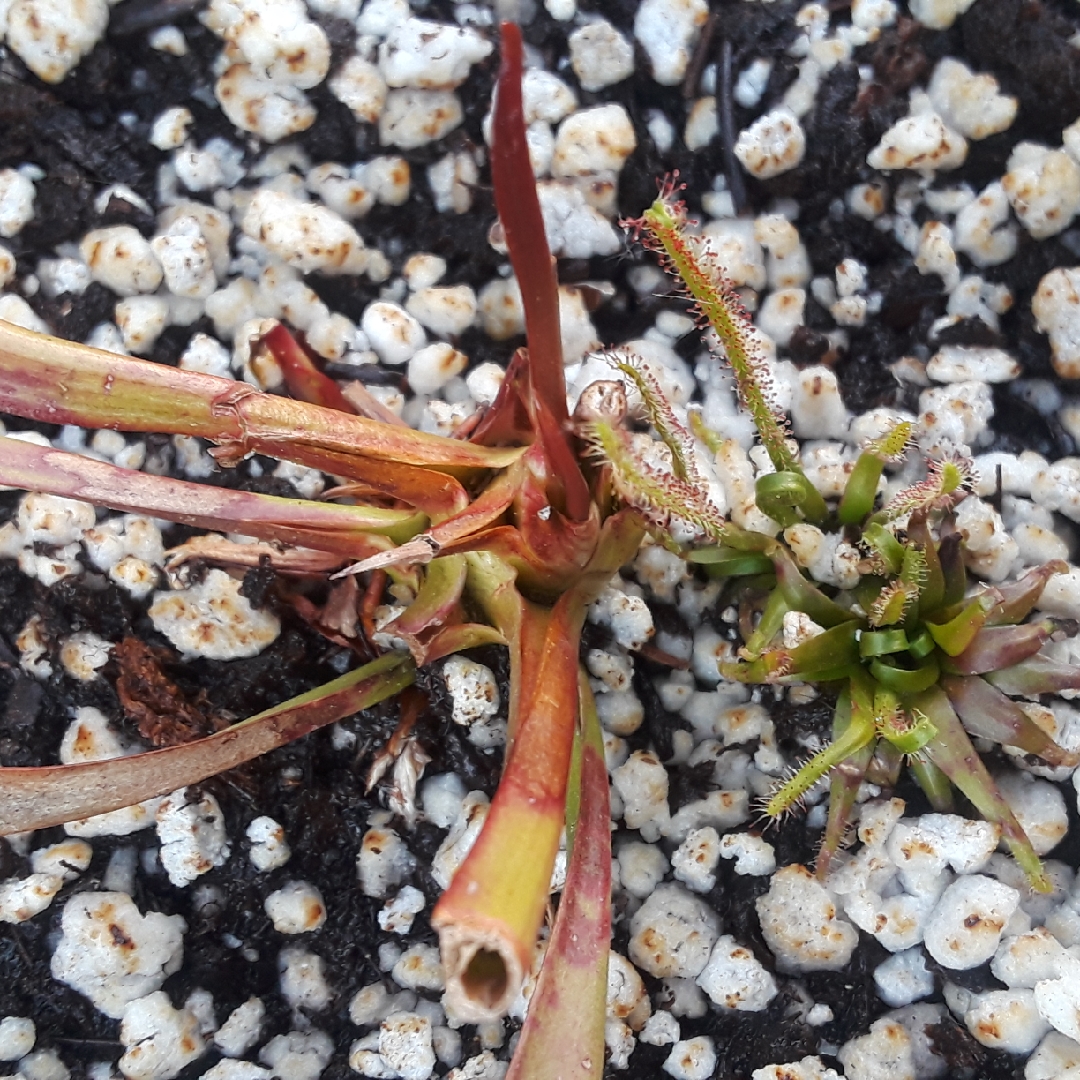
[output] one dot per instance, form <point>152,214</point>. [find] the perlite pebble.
<point>228,1069</point>
<point>692,1059</point>
<point>296,908</point>
<point>989,550</point>
<point>1006,1020</point>
<point>430,56</point>
<point>303,979</point>
<point>922,847</point>
<point>270,110</point>
<point>169,129</point>
<point>642,784</point>
<point>1056,307</point>
<point>1058,999</point>
<point>621,712</point>
<point>922,142</point>
<point>158,1040</point>
<point>1023,960</point>
<point>359,85</point>
<point>192,834</point>
<point>392,332</point>
<point>383,862</point>
<point>801,925</point>
<point>593,141</point>
<point>398,913</point>
<point>298,1055</point>
<point>753,856</point>
<point>886,1051</point>
<point>274,37</point>
<point>84,654</point>
<point>23,898</point>
<point>413,118</point>
<point>445,310</point>
<point>242,1028</point>
<point>641,868</point>
<point>120,258</point>
<point>672,933</point>
<point>809,1068</point>
<point>212,619</point>
<point>574,228</point>
<point>304,235</point>
<point>111,953</point>
<point>1056,1058</point>
<point>667,30</point>
<point>904,978</point>
<point>600,55</point>
<point>982,229</point>
<point>441,797</point>
<point>1043,188</point>
<point>16,201</point>
<point>965,928</point>
<point>970,104</point>
<point>953,417</point>
<point>735,979</point>
<point>473,690</point>
<point>405,1045</point>
<point>962,363</point>
<point>1039,807</point>
<point>775,143</point>
<point>17,1034</point>
<point>627,999</point>
<point>52,36</point>
<point>696,858</point>
<point>419,968</point>
<point>141,319</point>
<point>186,260</point>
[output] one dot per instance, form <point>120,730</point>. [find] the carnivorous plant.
<point>919,657</point>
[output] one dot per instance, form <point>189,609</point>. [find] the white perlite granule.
<point>966,926</point>
<point>801,925</point>
<point>158,1039</point>
<point>192,835</point>
<point>296,908</point>
<point>213,620</point>
<point>52,36</point>
<point>112,953</point>
<point>672,933</point>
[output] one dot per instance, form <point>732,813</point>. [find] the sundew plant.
<point>919,656</point>
<point>505,538</point>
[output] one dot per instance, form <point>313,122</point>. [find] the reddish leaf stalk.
<point>58,382</point>
<point>36,798</point>
<point>351,531</point>
<point>523,226</point>
<point>563,1034</point>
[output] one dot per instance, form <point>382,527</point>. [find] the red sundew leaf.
<point>985,711</point>
<point>997,647</point>
<point>1019,597</point>
<point>951,751</point>
<point>507,422</point>
<point>1034,676</point>
<point>60,382</point>
<point>438,597</point>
